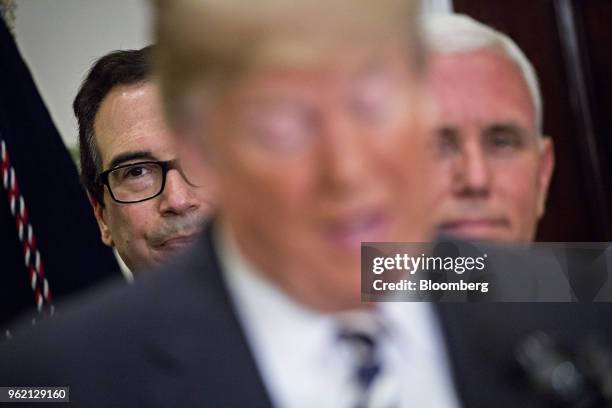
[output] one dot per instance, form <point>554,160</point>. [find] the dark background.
<point>570,44</point>
<point>66,234</point>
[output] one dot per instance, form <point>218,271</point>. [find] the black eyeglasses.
<point>136,182</point>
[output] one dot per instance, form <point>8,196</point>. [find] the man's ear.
<point>547,166</point>
<point>99,213</point>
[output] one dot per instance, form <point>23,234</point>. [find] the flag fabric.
<point>50,246</point>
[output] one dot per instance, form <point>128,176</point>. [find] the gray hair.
<point>457,33</point>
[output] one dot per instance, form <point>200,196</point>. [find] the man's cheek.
<point>395,163</point>
<point>291,192</point>
<point>520,197</point>
<point>440,182</point>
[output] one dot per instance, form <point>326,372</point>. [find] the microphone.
<point>559,375</point>
<point>597,358</point>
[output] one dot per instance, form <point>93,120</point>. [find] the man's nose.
<point>178,196</point>
<point>472,172</point>
<point>344,155</point>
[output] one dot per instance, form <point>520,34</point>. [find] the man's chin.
<point>496,231</point>
<point>337,293</point>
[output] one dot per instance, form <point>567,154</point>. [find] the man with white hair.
<point>493,163</point>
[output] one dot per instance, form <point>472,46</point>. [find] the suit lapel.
<point>198,346</point>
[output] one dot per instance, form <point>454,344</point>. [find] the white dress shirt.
<point>298,354</point>
<point>125,271</point>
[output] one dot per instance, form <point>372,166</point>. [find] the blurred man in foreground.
<point>311,115</point>
<point>144,209</point>
<point>494,164</point>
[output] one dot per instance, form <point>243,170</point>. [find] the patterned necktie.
<point>367,365</point>
<point>363,333</point>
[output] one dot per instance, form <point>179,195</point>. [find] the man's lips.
<point>177,242</point>
<point>351,231</point>
<point>474,228</point>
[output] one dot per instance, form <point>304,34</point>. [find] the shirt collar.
<point>263,306</point>
<point>259,299</point>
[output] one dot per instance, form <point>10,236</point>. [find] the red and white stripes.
<point>36,275</point>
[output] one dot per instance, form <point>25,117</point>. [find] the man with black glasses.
<point>147,202</point>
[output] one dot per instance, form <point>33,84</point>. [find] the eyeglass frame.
<point>166,166</point>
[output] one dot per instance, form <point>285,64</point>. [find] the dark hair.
<point>124,67</point>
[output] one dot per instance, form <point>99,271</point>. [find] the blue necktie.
<point>367,364</point>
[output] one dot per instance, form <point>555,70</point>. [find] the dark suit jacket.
<point>173,340</point>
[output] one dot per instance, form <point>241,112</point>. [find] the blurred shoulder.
<point>115,320</point>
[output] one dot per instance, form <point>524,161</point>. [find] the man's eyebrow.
<point>507,127</point>
<point>128,156</point>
